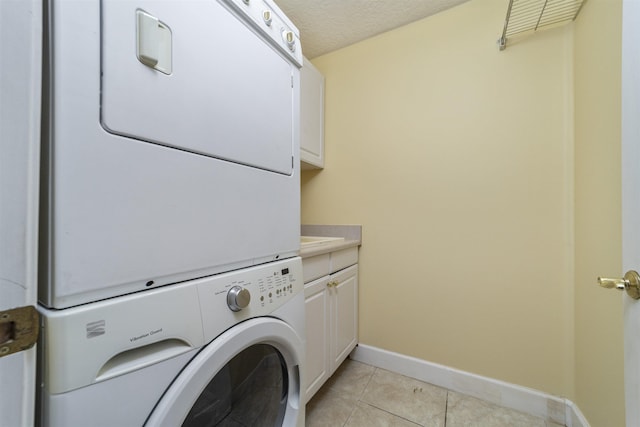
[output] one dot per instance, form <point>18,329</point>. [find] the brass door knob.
<point>630,283</point>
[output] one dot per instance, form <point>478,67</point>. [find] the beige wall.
<point>599,355</point>
<point>484,181</point>
<point>457,160</point>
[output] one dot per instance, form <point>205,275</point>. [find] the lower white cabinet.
<point>331,304</point>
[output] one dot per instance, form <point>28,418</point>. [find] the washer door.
<point>249,375</point>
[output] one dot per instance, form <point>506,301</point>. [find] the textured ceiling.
<point>328,25</point>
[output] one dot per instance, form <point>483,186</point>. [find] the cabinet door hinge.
<point>19,328</point>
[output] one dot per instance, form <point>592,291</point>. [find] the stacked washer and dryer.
<point>170,287</point>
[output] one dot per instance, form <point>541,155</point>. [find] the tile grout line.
<point>392,414</point>
<point>353,409</point>
<point>358,403</point>
<point>446,408</point>
<point>367,385</point>
<point>359,398</point>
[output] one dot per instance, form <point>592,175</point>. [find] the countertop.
<point>327,247</point>
<point>352,235</point>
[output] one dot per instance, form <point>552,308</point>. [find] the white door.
<point>20,77</point>
<point>631,199</point>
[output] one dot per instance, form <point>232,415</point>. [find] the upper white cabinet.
<point>311,117</point>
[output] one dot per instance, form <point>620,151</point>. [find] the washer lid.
<point>195,77</point>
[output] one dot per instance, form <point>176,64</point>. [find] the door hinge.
<point>19,328</point>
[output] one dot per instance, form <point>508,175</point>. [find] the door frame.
<point>21,28</point>
<point>631,199</point>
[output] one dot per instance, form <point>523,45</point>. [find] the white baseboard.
<point>552,408</point>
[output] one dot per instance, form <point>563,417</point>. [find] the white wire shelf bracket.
<point>532,15</point>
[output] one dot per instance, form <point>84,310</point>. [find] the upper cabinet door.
<point>311,117</point>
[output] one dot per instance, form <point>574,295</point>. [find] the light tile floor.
<point>359,395</point>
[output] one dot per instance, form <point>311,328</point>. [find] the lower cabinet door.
<point>344,314</point>
<point>317,335</point>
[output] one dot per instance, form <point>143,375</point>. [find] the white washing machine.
<point>171,141</point>
<point>224,350</point>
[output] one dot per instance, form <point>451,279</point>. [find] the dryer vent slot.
<point>140,357</point>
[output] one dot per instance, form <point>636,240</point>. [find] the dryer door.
<point>249,375</point>
<point>226,92</point>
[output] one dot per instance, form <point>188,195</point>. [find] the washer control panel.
<point>177,318</point>
<point>229,298</point>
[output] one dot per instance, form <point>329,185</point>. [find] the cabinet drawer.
<point>315,267</point>
<point>344,258</point>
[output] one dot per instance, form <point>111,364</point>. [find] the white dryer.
<point>181,355</point>
<point>171,142</point>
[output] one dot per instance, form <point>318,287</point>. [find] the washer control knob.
<point>290,39</point>
<point>238,298</point>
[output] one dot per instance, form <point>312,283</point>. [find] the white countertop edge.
<point>328,247</point>
<point>352,235</point>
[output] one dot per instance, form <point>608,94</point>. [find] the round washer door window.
<point>248,376</point>
<point>250,390</point>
